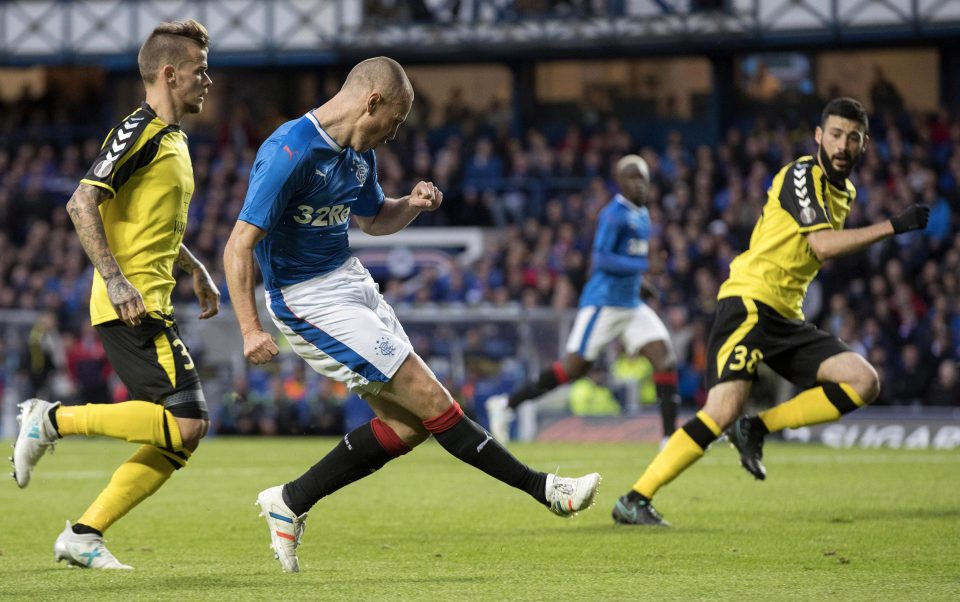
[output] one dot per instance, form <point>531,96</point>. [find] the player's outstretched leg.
<point>464,439</point>
<point>747,435</point>
<point>85,551</point>
<point>37,435</point>
<point>286,528</point>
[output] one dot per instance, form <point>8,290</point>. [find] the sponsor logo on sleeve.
<point>123,135</point>
<point>800,185</point>
<point>807,214</point>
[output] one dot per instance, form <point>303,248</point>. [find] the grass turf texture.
<point>826,525</point>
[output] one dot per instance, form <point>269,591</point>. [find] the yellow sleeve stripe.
<point>814,228</point>
<point>103,185</point>
<point>107,139</point>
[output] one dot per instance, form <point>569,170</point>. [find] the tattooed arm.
<point>203,284</point>
<point>82,207</point>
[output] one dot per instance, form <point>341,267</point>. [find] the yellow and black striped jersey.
<point>779,265</point>
<point>145,166</point>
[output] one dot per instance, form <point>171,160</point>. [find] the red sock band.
<point>388,439</point>
<point>445,421</point>
<point>665,378</point>
<point>560,373</point>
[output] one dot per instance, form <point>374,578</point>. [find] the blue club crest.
<point>361,169</point>
<point>385,347</point>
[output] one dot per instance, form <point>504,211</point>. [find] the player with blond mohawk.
<point>130,214</point>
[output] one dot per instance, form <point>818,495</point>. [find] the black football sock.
<point>464,439</point>
<point>549,379</point>
<point>359,454</point>
<point>82,529</point>
<point>669,400</point>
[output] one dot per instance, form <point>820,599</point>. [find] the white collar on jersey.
<point>325,135</point>
<point>625,201</point>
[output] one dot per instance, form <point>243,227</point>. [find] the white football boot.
<point>85,551</point>
<point>500,415</point>
<point>566,496</point>
<point>36,436</point>
<point>286,528</point>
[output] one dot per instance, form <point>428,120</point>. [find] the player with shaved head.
<point>310,176</point>
<point>610,306</point>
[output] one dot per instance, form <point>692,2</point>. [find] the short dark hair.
<point>848,108</point>
<point>164,46</point>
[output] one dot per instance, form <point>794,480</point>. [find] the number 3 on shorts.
<point>188,361</point>
<point>740,361</point>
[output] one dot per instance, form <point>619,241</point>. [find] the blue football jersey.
<point>303,189</point>
<point>620,248</point>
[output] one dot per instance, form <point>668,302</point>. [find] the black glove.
<point>913,217</point>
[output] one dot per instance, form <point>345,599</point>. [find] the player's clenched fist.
<point>426,196</point>
<point>259,347</point>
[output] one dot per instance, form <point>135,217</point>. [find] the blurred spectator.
<point>912,376</point>
<point>89,368</point>
<point>883,94</point>
<point>44,356</point>
<point>945,390</point>
<point>542,188</point>
<point>456,111</point>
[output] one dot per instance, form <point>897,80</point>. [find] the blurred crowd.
<point>538,193</point>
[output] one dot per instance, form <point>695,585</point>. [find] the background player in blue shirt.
<point>610,306</point>
<point>309,177</point>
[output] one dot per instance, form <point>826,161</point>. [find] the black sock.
<point>473,445</point>
<point>758,425</point>
<point>546,382</point>
<point>633,496</point>
<point>358,455</point>
<point>82,529</point>
<point>669,401</point>
<point>53,418</point>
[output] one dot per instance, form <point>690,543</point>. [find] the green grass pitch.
<point>827,525</point>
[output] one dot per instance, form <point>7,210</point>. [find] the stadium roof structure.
<point>278,32</point>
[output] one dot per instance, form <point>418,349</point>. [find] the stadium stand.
<point>535,192</point>
<point>542,198</point>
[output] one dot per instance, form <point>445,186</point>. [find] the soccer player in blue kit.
<point>610,307</point>
<point>310,176</point>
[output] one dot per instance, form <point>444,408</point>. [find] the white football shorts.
<point>342,326</point>
<point>597,326</point>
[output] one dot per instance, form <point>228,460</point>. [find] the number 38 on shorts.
<point>742,358</point>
